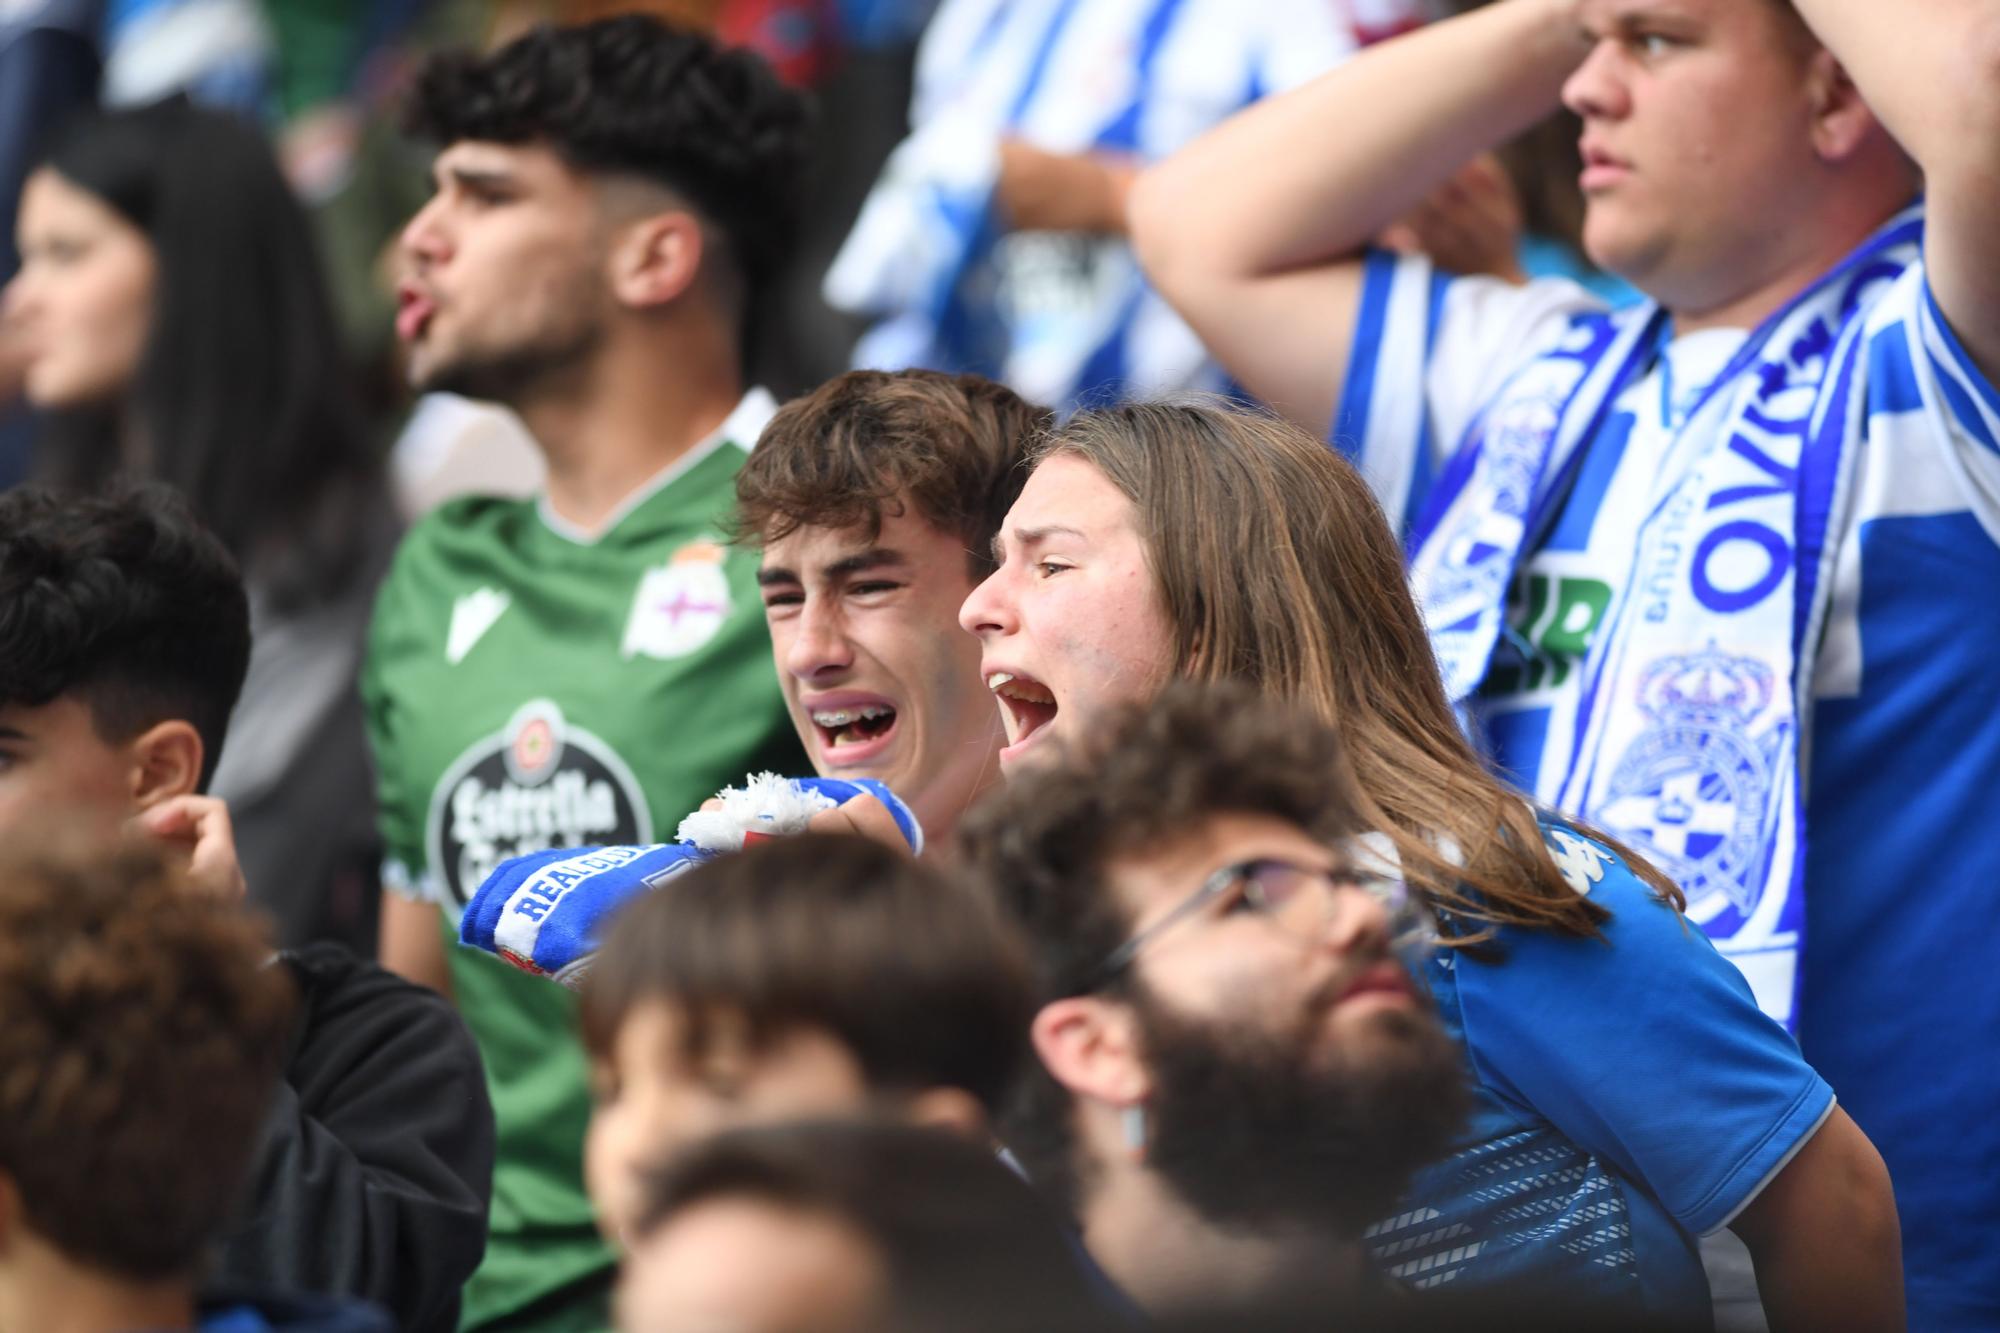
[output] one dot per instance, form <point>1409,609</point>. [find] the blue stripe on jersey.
<point>1892,380</point>
<point>1425,472</point>
<point>1349,428</point>
<point>1964,408</point>
<point>1515,738</point>
<point>1593,479</point>
<point>1103,378</point>
<point>1900,865</point>
<point>1956,375</point>
<point>1122,134</point>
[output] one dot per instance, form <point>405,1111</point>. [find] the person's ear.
<point>655,258</point>
<point>166,762</point>
<point>1091,1047</point>
<point>953,1110</point>
<point>1841,120</point>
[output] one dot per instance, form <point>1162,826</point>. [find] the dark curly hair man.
<point>588,665</point>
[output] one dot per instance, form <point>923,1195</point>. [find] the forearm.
<point>410,943</point>
<point>1825,1238</point>
<point>1929,69</point>
<point>1043,191</point>
<point>1311,175</point>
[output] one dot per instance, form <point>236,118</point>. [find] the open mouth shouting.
<point>852,728</point>
<point>1027,707</point>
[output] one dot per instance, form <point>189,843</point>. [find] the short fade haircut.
<point>635,96</point>
<point>952,448</point>
<point>144,1033</point>
<point>914,973</point>
<point>126,602</point>
<point>1153,772</point>
<point>966,1245</point>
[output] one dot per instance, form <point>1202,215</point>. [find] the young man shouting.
<point>875,500</point>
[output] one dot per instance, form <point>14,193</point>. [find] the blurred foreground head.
<point>594,185</point>
<point>809,976</point>
<point>1231,1044</point>
<point>850,1227</point>
<point>143,1038</point>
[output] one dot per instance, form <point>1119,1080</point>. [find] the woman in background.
<point>176,326</point>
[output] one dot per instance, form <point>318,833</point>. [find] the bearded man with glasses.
<point>1238,1073</point>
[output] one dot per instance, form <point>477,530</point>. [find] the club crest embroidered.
<point>680,605</point>
<point>1693,790</point>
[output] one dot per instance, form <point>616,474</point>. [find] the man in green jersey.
<point>588,665</point>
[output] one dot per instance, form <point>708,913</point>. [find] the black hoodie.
<point>376,1163</point>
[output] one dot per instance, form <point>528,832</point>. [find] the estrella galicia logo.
<point>537,783</point>
<point>1693,791</point>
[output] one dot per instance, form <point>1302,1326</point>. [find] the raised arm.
<point>1254,231</point>
<point>1930,69</point>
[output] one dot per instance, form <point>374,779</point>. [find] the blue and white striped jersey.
<point>1065,318</point>
<point>1900,752</point>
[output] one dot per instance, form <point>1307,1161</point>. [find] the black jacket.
<point>376,1165</point>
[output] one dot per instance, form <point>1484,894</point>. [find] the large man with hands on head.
<point>1707,573</point>
<point>587,665</point>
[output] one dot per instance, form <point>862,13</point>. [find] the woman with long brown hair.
<point>1630,1096</point>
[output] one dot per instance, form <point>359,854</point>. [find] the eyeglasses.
<point>1300,900</point>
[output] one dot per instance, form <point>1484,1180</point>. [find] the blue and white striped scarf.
<point>1692,723</point>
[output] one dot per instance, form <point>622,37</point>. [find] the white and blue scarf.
<point>1690,732</point>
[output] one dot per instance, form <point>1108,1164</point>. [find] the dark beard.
<point>516,374</point>
<point>1257,1133</point>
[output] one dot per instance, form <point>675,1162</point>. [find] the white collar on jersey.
<point>741,428</point>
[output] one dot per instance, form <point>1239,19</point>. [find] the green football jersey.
<point>530,686</point>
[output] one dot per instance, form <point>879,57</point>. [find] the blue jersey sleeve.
<point>1429,350</point>
<point>1645,1046</point>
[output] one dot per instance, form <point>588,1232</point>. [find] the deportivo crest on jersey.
<point>1692,789</point>
<point>471,616</point>
<point>535,784</point>
<point>680,605</point>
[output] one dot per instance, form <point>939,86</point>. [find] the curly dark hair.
<point>634,95</point>
<point>915,974</point>
<point>144,1033</point>
<point>126,602</point>
<point>953,447</point>
<point>1153,771</point>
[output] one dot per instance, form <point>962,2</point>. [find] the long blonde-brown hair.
<point>1276,566</point>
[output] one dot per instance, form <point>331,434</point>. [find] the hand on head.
<point>198,828</point>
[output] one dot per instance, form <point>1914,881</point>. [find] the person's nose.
<point>17,298</point>
<point>1357,923</point>
<point>424,240</point>
<point>819,647</point>
<point>989,609</point>
<point>1596,88</point>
